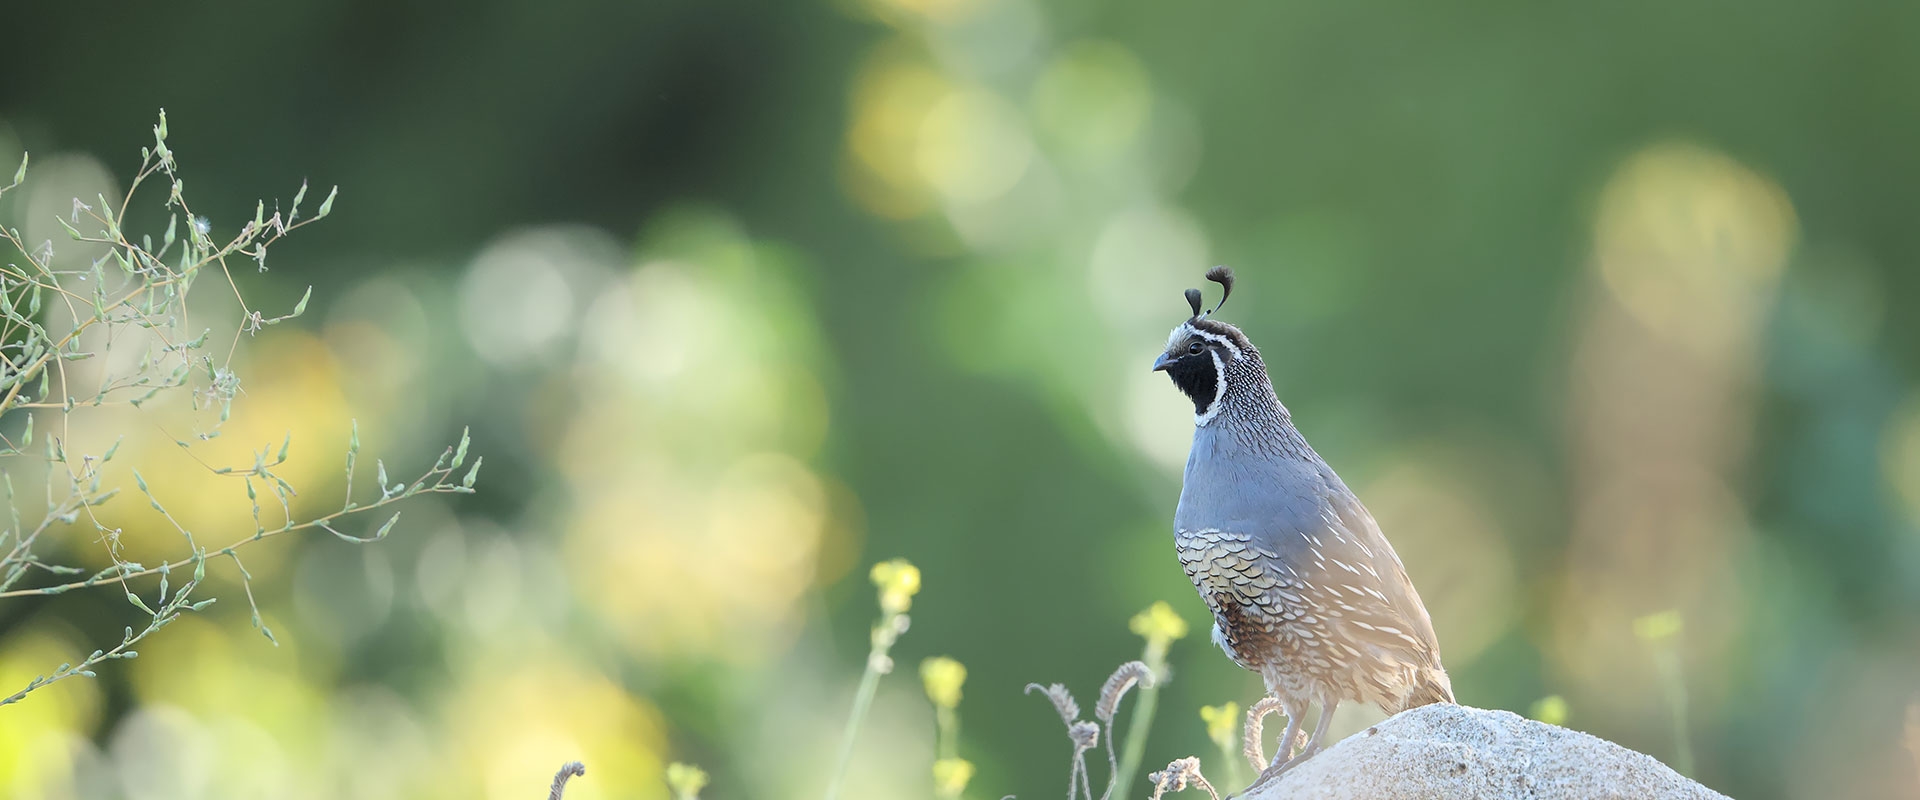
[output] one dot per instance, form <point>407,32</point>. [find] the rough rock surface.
<point>1448,751</point>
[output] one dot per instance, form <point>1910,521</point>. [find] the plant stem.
<point>884,635</point>
<point>949,722</point>
<point>1136,748</point>
<point>1676,687</point>
<point>1236,775</point>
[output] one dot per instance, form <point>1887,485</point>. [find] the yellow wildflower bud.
<point>943,677</point>
<point>1657,627</point>
<point>950,776</point>
<point>1159,624</point>
<point>899,581</point>
<point>1221,720</point>
<point>1551,709</point>
<point>686,780</point>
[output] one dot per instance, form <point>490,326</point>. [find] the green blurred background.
<point>1603,308</point>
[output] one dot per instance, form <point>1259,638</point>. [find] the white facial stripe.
<point>1185,329</point>
<point>1219,340</point>
<point>1219,391</point>
<point>1179,332</point>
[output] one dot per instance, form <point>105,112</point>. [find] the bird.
<point>1303,587</point>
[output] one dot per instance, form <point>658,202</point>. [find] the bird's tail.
<point>1429,686</point>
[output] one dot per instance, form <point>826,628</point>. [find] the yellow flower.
<point>1159,624</point>
<point>1657,627</point>
<point>1551,709</point>
<point>899,581</point>
<point>950,776</point>
<point>943,677</point>
<point>1220,721</point>
<point>686,780</point>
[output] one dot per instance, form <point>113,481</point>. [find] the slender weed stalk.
<point>1180,775</point>
<point>1223,727</point>
<point>1661,633</point>
<point>1913,733</point>
<point>943,678</point>
<point>1160,627</point>
<point>122,305</point>
<point>1252,745</point>
<point>899,581</point>
<point>571,769</point>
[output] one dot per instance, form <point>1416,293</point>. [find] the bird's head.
<point>1204,355</point>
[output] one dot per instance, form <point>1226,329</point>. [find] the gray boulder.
<point>1446,751</point>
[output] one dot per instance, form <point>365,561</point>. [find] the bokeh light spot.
<point>1093,99</point>
<point>1900,457</point>
<point>1692,242</point>
<point>522,294</point>
<point>972,146</point>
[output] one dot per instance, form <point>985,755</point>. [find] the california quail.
<point>1303,587</point>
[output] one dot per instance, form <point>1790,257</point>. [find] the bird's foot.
<point>1280,767</point>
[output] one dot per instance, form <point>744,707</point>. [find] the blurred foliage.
<point>1601,308</point>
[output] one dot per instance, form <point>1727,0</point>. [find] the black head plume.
<point>1193,299</point>
<point>1222,275</point>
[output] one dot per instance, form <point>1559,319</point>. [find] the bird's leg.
<point>1281,761</point>
<point>1313,743</point>
<point>1320,730</point>
<point>1285,749</point>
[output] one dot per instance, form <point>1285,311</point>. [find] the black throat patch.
<point>1198,377</point>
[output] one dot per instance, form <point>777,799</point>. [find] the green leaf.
<point>263,629</point>
<point>460,453</point>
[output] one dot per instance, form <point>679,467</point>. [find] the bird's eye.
<point>1195,348</point>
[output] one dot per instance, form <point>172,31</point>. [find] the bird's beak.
<point>1164,361</point>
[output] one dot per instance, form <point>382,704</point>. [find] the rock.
<point>1449,751</point>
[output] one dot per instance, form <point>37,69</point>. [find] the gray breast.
<point>1230,487</point>
<point>1294,568</point>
